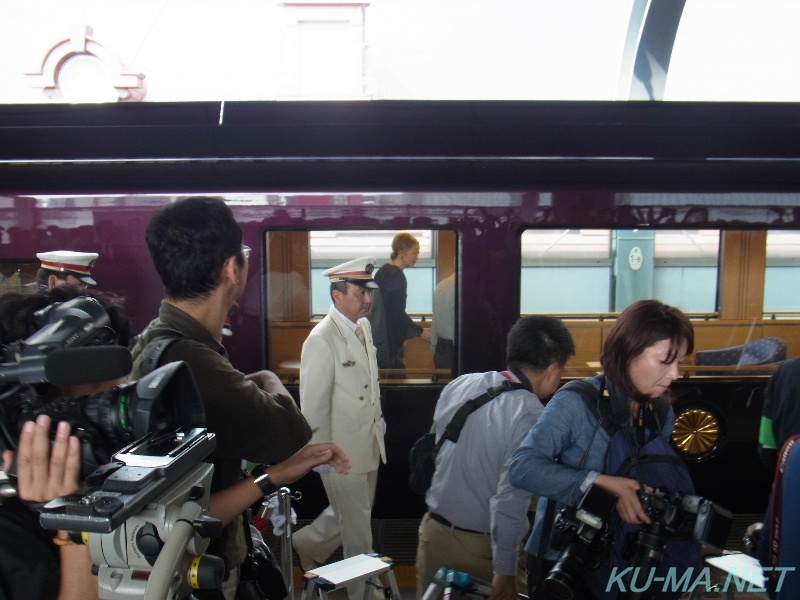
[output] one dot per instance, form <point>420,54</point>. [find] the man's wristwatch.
<point>262,480</point>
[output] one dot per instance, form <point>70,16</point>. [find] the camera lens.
<point>567,574</point>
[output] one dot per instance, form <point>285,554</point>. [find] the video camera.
<point>58,354</point>
<point>143,509</point>
<point>584,535</point>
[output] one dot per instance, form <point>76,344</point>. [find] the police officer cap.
<point>358,272</point>
<point>77,264</point>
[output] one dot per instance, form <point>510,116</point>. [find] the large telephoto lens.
<point>567,574</point>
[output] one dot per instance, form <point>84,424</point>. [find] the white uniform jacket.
<point>339,393</point>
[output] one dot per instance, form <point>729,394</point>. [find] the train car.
<point>567,208</point>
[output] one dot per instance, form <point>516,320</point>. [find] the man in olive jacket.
<point>196,246</point>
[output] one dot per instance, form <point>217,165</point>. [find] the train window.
<point>567,263</point>
<point>782,275</point>
<point>592,272</point>
<point>329,248</point>
<point>299,296</point>
<point>686,269</point>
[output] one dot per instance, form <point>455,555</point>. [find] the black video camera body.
<point>69,349</point>
<point>167,398</point>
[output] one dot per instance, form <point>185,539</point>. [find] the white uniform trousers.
<point>346,522</point>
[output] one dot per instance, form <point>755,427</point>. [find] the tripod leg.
<point>433,591</point>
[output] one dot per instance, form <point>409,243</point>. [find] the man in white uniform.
<point>340,399</point>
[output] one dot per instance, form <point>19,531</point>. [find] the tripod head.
<point>144,518</point>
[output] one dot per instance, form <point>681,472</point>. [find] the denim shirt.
<point>561,456</point>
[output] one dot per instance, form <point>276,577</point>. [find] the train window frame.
<point>601,258</point>
<point>781,277</point>
<point>292,272</point>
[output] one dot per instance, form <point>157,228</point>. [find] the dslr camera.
<point>692,516</point>
<point>708,522</point>
<point>585,537</point>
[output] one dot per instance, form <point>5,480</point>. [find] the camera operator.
<point>41,565</point>
<point>196,247</point>
<point>34,563</point>
<point>565,451</point>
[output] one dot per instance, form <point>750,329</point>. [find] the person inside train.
<point>197,248</point>
<point>476,519</point>
<point>66,267</point>
<point>443,323</point>
<point>34,563</point>
<point>391,325</point>
<point>564,453</point>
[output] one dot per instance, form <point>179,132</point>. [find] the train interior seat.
<point>763,351</point>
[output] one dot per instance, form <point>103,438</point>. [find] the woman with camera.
<point>564,453</point>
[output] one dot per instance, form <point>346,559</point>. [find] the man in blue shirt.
<point>476,519</point>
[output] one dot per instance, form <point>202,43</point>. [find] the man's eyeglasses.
<point>246,251</point>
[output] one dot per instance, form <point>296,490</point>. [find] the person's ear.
<point>52,281</point>
<point>230,270</point>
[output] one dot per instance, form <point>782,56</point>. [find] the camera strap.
<point>593,398</point>
<point>162,339</point>
<point>453,429</point>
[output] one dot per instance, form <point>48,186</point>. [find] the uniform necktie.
<point>361,337</point>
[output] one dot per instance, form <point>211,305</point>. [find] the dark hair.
<point>42,275</point>
<point>338,286</point>
<point>341,286</point>
<point>402,241</point>
<point>189,242</point>
<point>538,341</point>
<point>641,325</point>
<point>18,309</point>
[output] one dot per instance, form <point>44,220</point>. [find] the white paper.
<point>742,566</point>
<point>355,568</point>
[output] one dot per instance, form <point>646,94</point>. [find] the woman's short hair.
<point>402,241</point>
<point>641,325</point>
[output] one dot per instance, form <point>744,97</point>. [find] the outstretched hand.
<point>45,472</point>
<point>305,459</point>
